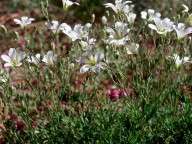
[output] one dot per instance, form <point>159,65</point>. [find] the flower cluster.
<point>119,34</point>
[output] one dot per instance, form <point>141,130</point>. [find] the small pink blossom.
<point>114,94</point>
<point>21,42</point>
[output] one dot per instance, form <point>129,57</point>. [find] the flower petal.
<point>6,58</point>
<point>22,56</point>
<point>7,64</point>
<point>84,68</point>
<point>152,26</point>
<point>96,68</point>
<point>17,21</point>
<point>99,56</point>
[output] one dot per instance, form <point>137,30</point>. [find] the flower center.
<point>15,62</point>
<point>161,28</point>
<point>92,61</point>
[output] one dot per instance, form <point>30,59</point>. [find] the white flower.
<point>67,3</point>
<point>87,44</point>
<point>13,58</point>
<point>119,6</point>
<point>181,31</point>
<point>118,35</point>
<point>151,14</point>
<point>50,58</point>
<point>24,21</point>
<point>34,59</point>
<point>186,8</point>
<point>131,17</point>
<point>55,27</point>
<point>128,8</point>
<point>79,31</point>
<point>3,76</point>
<point>162,26</point>
<point>179,61</point>
<point>132,49</point>
<point>91,62</point>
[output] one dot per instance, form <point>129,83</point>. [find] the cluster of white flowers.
<point>79,31</point>
<point>162,26</point>
<point>118,35</point>
<point>150,15</point>
<point>14,58</point>
<point>55,26</point>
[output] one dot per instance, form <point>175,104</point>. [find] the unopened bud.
<point>53,45</point>
<point>114,18</point>
<point>71,65</point>
<point>4,28</point>
<point>17,35</point>
<point>93,18</point>
<point>107,13</point>
<point>104,20</point>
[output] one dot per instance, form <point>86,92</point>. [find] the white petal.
<point>38,56</point>
<point>189,30</point>
<point>7,64</point>
<point>99,56</point>
<point>6,58</point>
<point>186,8</point>
<point>96,68</point>
<point>152,26</point>
<point>84,68</point>
<point>76,3</point>
<point>111,6</point>
<point>44,59</point>
<point>55,57</point>
<point>31,19</point>
<point>143,14</point>
<point>19,64</point>
<point>151,11</point>
<point>158,15</point>
<point>22,56</point>
<point>111,31</point>
<point>66,27</point>
<point>181,25</point>
<point>24,19</point>
<point>17,21</point>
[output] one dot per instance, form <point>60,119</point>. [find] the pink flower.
<point>41,108</point>
<point>33,123</point>
<point>35,81</point>
<point>64,104</point>
<point>21,42</point>
<point>117,93</point>
<point>114,94</point>
<point>20,126</point>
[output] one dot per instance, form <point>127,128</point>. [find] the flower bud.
<point>71,65</point>
<point>93,18</point>
<point>17,35</point>
<point>104,20</point>
<point>4,28</point>
<point>107,13</point>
